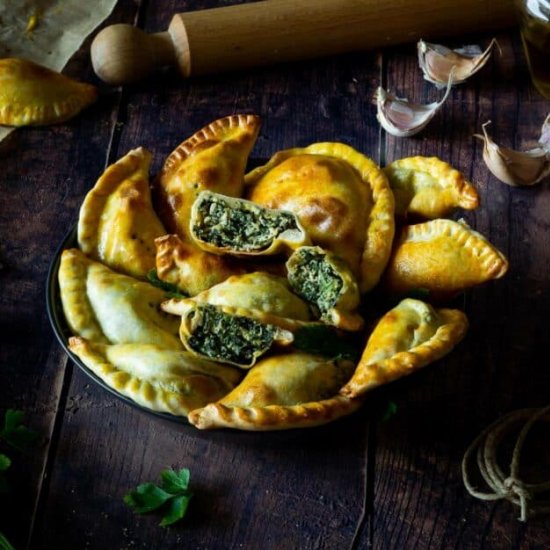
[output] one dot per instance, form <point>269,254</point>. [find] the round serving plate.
<point>63,332</point>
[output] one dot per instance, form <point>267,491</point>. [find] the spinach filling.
<point>230,337</point>
<point>243,227</point>
<point>316,280</point>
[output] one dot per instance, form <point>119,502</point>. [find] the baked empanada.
<point>117,224</point>
<point>342,199</point>
<point>326,281</point>
<point>31,94</point>
<point>426,187</point>
<point>213,159</point>
<point>443,257</point>
<point>226,225</point>
<point>410,336</point>
<point>159,379</point>
<point>107,307</point>
<point>295,390</point>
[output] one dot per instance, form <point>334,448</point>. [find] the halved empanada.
<point>342,199</point>
<point>117,224</point>
<point>410,336</point>
<point>443,257</point>
<point>107,307</point>
<point>34,95</point>
<point>295,390</point>
<point>427,187</point>
<point>159,379</point>
<point>227,225</point>
<point>326,281</point>
<point>212,159</point>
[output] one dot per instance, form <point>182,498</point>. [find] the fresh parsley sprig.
<point>172,496</point>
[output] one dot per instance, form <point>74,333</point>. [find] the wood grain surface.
<point>356,484</point>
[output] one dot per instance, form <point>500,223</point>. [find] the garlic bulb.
<point>437,61</point>
<point>401,118</point>
<point>518,168</point>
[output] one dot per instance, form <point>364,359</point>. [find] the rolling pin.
<point>272,31</point>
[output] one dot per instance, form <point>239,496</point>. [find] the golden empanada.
<point>117,224</point>
<point>212,159</point>
<point>107,307</point>
<point>342,199</point>
<point>228,225</point>
<point>410,336</point>
<point>443,257</point>
<point>426,187</point>
<point>326,281</point>
<point>162,380</point>
<point>34,95</point>
<point>295,390</point>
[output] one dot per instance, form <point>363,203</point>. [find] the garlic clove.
<point>437,61</point>
<point>515,168</point>
<point>401,118</point>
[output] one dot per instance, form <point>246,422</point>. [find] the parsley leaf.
<point>391,410</point>
<point>172,291</point>
<point>14,433</point>
<point>172,496</point>
<point>326,341</point>
<point>5,462</point>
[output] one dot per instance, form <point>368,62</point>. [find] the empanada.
<point>227,225</point>
<point>162,380</point>
<point>443,257</point>
<point>410,336</point>
<point>117,224</point>
<point>31,94</point>
<point>294,390</point>
<point>107,307</point>
<point>426,187</point>
<point>342,199</point>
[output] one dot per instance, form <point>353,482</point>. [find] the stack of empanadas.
<point>194,299</point>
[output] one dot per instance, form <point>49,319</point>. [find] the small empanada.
<point>426,187</point>
<point>31,94</point>
<point>295,390</point>
<point>442,257</point>
<point>342,199</point>
<point>107,307</point>
<point>162,380</point>
<point>117,224</point>
<point>227,225</point>
<point>410,336</point>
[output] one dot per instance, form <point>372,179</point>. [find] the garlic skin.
<point>517,168</point>
<point>437,62</point>
<point>401,118</point>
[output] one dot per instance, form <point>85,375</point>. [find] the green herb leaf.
<point>391,410</point>
<point>172,290</point>
<point>175,482</point>
<point>14,433</point>
<point>146,498</point>
<point>176,510</point>
<point>5,462</point>
<point>5,544</point>
<point>324,340</point>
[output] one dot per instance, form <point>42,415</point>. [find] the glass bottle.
<point>534,23</point>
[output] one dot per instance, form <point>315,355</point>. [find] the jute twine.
<point>509,487</point>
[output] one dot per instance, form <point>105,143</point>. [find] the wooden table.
<point>358,483</point>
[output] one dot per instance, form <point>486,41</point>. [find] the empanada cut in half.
<point>117,224</point>
<point>327,282</point>
<point>442,257</point>
<point>342,199</point>
<point>159,379</point>
<point>31,94</point>
<point>410,336</point>
<point>227,225</point>
<point>103,306</point>
<point>213,159</point>
<point>294,390</point>
<point>428,188</point>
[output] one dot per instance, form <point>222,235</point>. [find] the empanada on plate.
<point>107,307</point>
<point>160,379</point>
<point>117,224</point>
<point>426,187</point>
<point>410,336</point>
<point>341,197</point>
<point>213,159</point>
<point>227,225</point>
<point>442,257</point>
<point>31,94</point>
<point>294,390</point>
